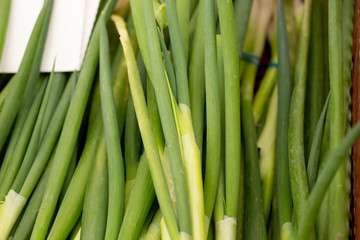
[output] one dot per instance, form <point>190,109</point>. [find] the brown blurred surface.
<point>356,116</point>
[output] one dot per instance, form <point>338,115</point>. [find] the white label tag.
<point>69,32</point>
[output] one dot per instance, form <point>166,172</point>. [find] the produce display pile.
<point>206,120</point>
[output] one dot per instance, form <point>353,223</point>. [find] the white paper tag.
<point>69,32</point>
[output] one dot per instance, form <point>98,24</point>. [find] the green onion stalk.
<point>314,156</point>
<point>16,172</point>
<point>76,231</point>
<point>11,208</point>
<point>27,220</point>
<point>70,131</point>
<point>219,208</point>
<point>116,181</point>
<point>242,14</point>
<point>254,219</point>
<point>29,178</point>
<point>5,13</point>
<point>183,12</point>
<point>197,76</point>
<point>267,145</point>
<point>153,230</point>
<point>154,112</point>
<point>22,92</point>
<point>297,170</point>
<point>146,131</point>
<point>20,149</point>
<point>132,143</point>
<point>213,116</point>
<point>232,118</point>
<point>96,202</point>
<point>322,220</point>
<point>154,208</point>
<point>191,152</point>
<point>72,204</point>
<point>138,206</point>
<point>324,180</point>
<point>338,217</point>
<point>3,94</point>
<point>284,98</point>
<point>315,92</point>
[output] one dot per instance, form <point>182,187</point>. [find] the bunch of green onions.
<point>207,120</point>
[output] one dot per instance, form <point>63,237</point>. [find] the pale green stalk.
<point>267,145</point>
<point>153,231</point>
<point>191,152</point>
<point>76,232</point>
<point>146,130</point>
<point>168,119</point>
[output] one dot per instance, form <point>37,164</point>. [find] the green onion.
<point>152,154</point>
<point>183,13</point>
<point>178,53</point>
<point>213,119</point>
<point>284,96</point>
<point>5,13</point>
<point>115,161</point>
<point>132,141</point>
<point>232,108</point>
<point>326,176</point>
<point>298,178</point>
<point>338,217</point>
<point>314,157</point>
<point>138,205</point>
<point>54,91</point>
<point>197,76</point>
<point>71,207</point>
<point>24,84</point>
<point>14,165</point>
<point>315,96</point>
<point>96,198</point>
<point>70,130</point>
<point>27,221</point>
